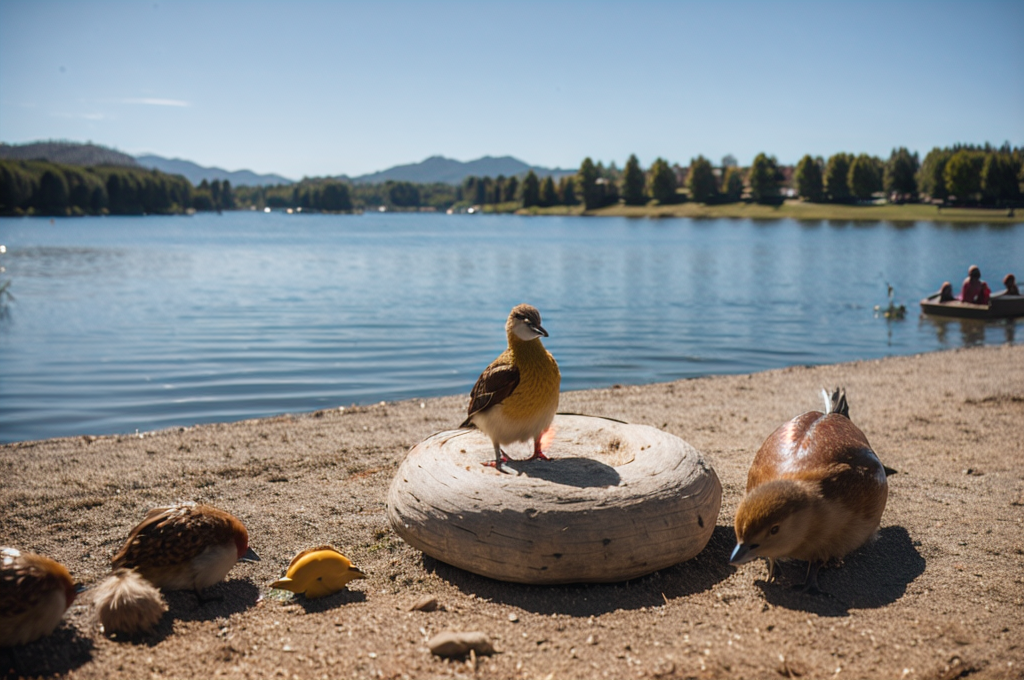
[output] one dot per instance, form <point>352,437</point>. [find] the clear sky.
<point>327,88</point>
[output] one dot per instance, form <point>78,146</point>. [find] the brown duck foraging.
<point>516,397</point>
<point>35,591</point>
<point>815,492</point>
<point>185,547</point>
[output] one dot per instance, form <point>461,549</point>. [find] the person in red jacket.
<point>974,289</point>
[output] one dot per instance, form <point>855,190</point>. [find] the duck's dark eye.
<point>775,530</point>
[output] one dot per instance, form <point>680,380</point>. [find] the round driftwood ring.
<point>616,501</point>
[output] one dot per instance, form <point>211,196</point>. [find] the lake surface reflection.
<point>130,323</point>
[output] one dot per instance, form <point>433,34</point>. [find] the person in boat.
<point>946,292</point>
<point>974,289</point>
<point>1010,281</point>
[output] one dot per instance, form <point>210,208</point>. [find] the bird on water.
<point>185,547</point>
<point>815,492</point>
<point>516,397</point>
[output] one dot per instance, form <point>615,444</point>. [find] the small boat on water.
<point>1000,306</point>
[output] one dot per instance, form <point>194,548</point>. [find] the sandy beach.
<point>938,595</point>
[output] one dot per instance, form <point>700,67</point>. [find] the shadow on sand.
<point>874,576</point>
<point>220,601</point>
<point>57,654</point>
<point>693,576</point>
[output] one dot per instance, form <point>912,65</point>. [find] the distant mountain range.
<point>450,171</point>
<point>431,170</point>
<point>196,173</point>
<point>69,153</point>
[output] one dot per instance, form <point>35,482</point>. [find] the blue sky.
<point>326,88</point>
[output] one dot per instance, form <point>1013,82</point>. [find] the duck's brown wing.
<point>493,386</point>
<point>25,579</point>
<point>174,535</point>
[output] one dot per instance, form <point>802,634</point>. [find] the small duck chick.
<point>815,492</point>
<point>35,591</point>
<point>185,547</point>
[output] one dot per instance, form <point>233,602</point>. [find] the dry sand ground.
<point>940,594</point>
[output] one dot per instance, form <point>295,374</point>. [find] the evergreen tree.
<point>511,190</point>
<point>837,173</point>
<point>633,183</point>
<point>962,176</point>
<point>586,185</point>
<point>999,178</point>
<point>567,190</point>
<point>809,182</point>
<point>900,176</point>
<point>931,177</point>
<point>227,196</point>
<point>701,181</point>
<point>732,184</point>
<point>863,178</point>
<point>399,194</point>
<point>53,195</point>
<point>661,182</point>
<point>764,178</point>
<point>530,190</point>
<point>335,196</point>
<point>215,194</point>
<point>548,195</point>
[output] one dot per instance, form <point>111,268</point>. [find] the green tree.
<point>548,196</point>
<point>764,178</point>
<point>864,179</point>
<point>53,195</point>
<point>999,178</point>
<point>962,176</point>
<point>810,184</point>
<point>701,181</point>
<point>900,176</point>
<point>732,184</point>
<point>399,194</point>
<point>335,196</point>
<point>16,187</point>
<point>510,190</point>
<point>931,177</point>
<point>530,190</point>
<point>633,183</point>
<point>586,185</point>
<point>837,173</point>
<point>567,190</point>
<point>661,181</point>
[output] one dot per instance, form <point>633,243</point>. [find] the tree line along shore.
<point>958,183</point>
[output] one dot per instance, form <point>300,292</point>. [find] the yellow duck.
<point>516,397</point>
<point>318,572</point>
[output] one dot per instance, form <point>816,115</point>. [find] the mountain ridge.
<point>450,171</point>
<point>434,169</point>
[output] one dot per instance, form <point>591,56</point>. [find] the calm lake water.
<point>145,323</point>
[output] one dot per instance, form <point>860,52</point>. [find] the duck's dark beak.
<point>537,328</point>
<point>249,556</point>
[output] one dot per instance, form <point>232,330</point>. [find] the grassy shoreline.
<point>797,210</point>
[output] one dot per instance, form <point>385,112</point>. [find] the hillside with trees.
<point>66,153</point>
<point>961,175</point>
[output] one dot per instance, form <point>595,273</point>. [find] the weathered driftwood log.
<point>616,501</point>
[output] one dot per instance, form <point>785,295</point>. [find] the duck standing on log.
<point>815,492</point>
<point>516,397</point>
